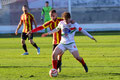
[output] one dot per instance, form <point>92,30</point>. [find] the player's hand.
<point>29,32</point>
<point>94,39</point>
<point>44,35</point>
<point>16,32</point>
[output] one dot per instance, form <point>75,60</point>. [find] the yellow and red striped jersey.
<point>27,22</point>
<point>52,25</point>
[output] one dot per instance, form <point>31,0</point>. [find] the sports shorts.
<point>71,47</point>
<point>24,36</point>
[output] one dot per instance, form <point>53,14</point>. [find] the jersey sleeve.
<point>77,26</point>
<point>37,29</point>
<point>47,24</point>
<point>32,17</point>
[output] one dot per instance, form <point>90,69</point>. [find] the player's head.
<point>53,14</point>
<point>66,16</point>
<point>25,8</point>
<point>47,3</point>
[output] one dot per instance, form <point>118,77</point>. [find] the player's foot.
<point>59,68</point>
<point>38,50</point>
<point>26,53</point>
<point>85,67</point>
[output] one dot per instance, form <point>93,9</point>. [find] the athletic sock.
<point>35,45</point>
<point>58,63</point>
<point>54,64</point>
<point>82,62</point>
<point>24,47</point>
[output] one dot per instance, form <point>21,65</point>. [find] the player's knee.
<point>23,42</point>
<point>54,56</point>
<point>77,58</point>
<point>31,42</point>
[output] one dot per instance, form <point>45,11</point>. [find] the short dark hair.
<point>25,6</point>
<point>46,2</point>
<point>66,15</point>
<point>53,11</point>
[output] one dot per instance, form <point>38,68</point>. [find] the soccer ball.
<point>53,73</point>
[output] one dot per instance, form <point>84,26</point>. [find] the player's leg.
<point>30,37</point>
<point>80,59</point>
<point>59,64</point>
<point>59,58</point>
<point>23,36</point>
<point>59,50</point>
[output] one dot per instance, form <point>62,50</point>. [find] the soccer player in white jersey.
<point>67,40</point>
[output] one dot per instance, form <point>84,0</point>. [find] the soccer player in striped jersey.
<point>52,24</point>
<point>27,19</point>
<point>67,40</point>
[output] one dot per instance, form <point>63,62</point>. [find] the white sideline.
<point>88,27</point>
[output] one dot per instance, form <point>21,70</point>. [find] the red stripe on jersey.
<point>27,22</point>
<point>24,23</point>
<point>80,28</point>
<point>53,25</point>
<point>57,23</point>
<point>72,28</point>
<point>54,37</point>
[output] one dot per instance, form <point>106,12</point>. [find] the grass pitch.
<point>102,58</point>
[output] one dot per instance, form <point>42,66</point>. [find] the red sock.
<point>54,64</point>
<point>82,61</point>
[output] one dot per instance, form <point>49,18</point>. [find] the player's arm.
<point>51,32</point>
<point>19,25</point>
<point>85,32</point>
<point>35,30</point>
<point>35,23</point>
<point>46,25</point>
<point>42,14</point>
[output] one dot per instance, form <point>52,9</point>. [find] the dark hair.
<point>46,2</point>
<point>52,11</point>
<point>66,15</point>
<point>25,6</point>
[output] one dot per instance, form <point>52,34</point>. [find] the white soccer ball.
<point>53,73</point>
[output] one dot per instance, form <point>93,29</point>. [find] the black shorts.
<point>54,46</point>
<point>24,36</point>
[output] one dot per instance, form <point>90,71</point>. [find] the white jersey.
<point>67,32</point>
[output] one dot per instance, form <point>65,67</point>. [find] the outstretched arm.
<point>50,32</point>
<point>35,23</point>
<point>36,29</point>
<point>19,25</point>
<point>87,34</point>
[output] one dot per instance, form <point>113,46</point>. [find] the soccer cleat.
<point>85,67</point>
<point>59,68</point>
<point>26,53</point>
<point>38,50</point>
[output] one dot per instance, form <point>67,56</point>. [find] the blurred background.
<point>92,15</point>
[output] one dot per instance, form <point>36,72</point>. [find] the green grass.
<point>102,58</point>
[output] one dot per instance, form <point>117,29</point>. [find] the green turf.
<point>102,58</point>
